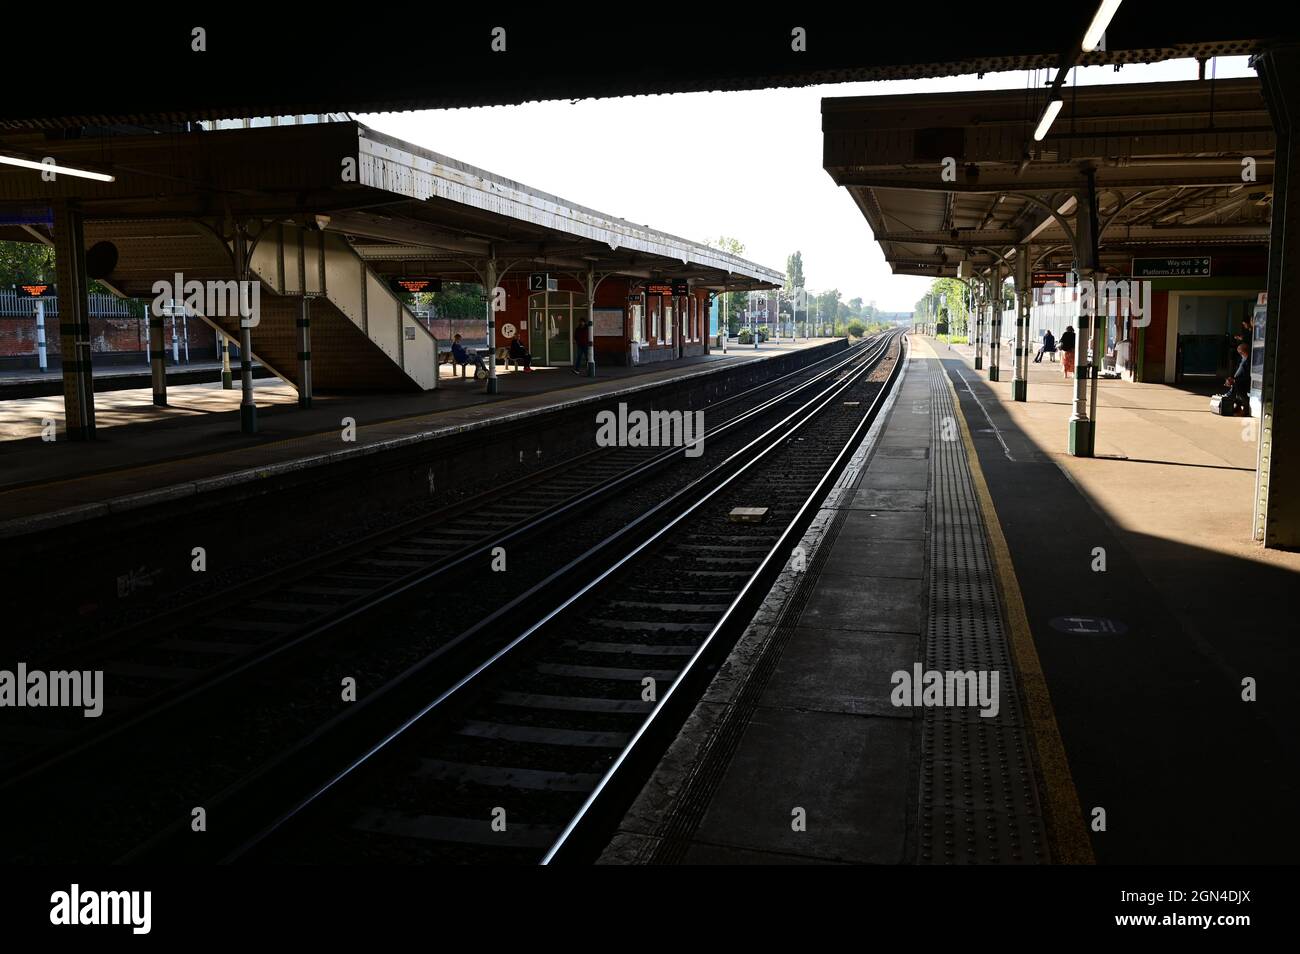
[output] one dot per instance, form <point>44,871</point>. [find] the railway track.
<point>297,611</point>
<point>530,755</point>
<point>153,669</point>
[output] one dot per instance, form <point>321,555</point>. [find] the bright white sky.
<point>750,166</point>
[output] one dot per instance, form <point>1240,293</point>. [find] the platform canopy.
<point>110,70</point>
<point>403,208</point>
<point>943,178</point>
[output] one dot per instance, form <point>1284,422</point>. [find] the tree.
<point>794,272</point>
<point>25,262</point>
<point>737,301</point>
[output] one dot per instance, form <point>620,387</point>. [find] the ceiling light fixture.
<point>51,167</point>
<point>1049,116</point>
<point>1097,28</point>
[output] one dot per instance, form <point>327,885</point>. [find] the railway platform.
<point>1145,673</point>
<point>195,442</point>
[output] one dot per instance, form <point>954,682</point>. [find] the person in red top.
<point>581,342</point>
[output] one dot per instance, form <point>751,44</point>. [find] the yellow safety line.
<point>1064,817</point>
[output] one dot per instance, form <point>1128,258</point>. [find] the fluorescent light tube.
<point>50,167</point>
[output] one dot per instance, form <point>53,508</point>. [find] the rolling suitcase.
<point>1222,404</point>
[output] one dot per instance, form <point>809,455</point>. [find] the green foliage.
<point>456,300</point>
<point>945,295</point>
<point>25,262</point>
<point>856,327</point>
<point>735,302</point>
<point>746,337</point>
<point>794,272</point>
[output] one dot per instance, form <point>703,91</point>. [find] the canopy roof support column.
<point>1277,506</point>
<point>995,324</point>
<point>1083,427</point>
<point>1024,296</point>
<point>74,322</point>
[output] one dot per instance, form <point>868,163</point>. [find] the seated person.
<point>519,354</point>
<point>459,354</point>
<point>1048,347</point>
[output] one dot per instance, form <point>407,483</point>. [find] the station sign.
<point>681,289</point>
<point>414,285</point>
<point>542,282</point>
<point>660,288</point>
<point>35,290</point>
<point>1196,266</point>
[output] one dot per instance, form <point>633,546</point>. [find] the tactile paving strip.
<point>979,801</point>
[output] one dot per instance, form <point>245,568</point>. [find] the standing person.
<point>1067,350</point>
<point>1048,347</point>
<point>1239,381</point>
<point>581,341</point>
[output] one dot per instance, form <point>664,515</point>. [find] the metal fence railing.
<point>101,306</point>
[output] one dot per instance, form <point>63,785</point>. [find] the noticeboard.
<point>608,322</point>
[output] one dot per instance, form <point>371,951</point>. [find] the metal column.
<point>247,406</point>
<point>979,324</point>
<point>995,325</point>
<point>157,355</point>
<point>1277,514</point>
<point>74,322</point>
<point>227,382</point>
<point>304,354</point>
<point>41,356</point>
<point>591,323</point>
<point>1024,296</point>
<point>1083,426</point>
<point>491,326</point>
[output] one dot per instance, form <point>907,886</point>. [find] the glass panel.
<point>668,323</point>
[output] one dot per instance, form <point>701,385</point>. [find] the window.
<point>668,322</point>
<point>638,324</point>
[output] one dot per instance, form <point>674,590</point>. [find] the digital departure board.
<point>406,284</point>
<point>35,290</point>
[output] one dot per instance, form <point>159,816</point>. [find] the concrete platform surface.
<point>1148,664</point>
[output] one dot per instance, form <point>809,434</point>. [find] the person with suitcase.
<point>1238,397</point>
